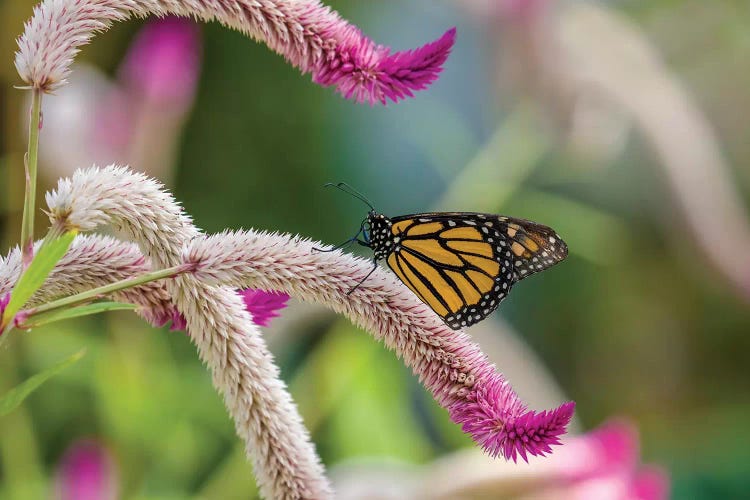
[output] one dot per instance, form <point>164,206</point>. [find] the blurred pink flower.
<point>163,62</point>
<point>263,305</point>
<point>86,472</point>
<point>179,323</point>
<point>490,10</point>
<point>136,119</point>
<point>603,463</point>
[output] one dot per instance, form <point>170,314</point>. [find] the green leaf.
<point>19,393</point>
<point>47,257</point>
<point>75,312</point>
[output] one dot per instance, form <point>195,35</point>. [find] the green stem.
<point>30,164</point>
<point>96,293</point>
<point>56,231</point>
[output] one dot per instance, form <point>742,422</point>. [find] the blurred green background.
<point>642,321</point>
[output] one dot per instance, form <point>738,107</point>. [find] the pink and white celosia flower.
<point>93,261</point>
<point>266,418</point>
<point>453,368</point>
<point>446,361</point>
<point>311,36</point>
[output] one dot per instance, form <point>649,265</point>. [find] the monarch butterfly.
<point>461,264</point>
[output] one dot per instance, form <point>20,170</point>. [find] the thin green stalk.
<point>101,291</point>
<point>56,230</point>
<point>30,164</point>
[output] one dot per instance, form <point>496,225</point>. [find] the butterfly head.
<point>378,234</point>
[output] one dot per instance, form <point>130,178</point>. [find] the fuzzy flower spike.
<point>284,459</point>
<point>311,36</point>
<point>452,367</point>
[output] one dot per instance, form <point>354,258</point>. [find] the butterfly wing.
<point>533,247</point>
<point>463,265</point>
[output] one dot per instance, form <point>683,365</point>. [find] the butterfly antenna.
<point>343,186</point>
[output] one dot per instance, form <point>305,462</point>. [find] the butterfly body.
<point>461,264</point>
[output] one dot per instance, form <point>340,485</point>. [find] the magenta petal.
<point>263,305</point>
<point>4,303</point>
<point>178,321</point>
<point>174,316</point>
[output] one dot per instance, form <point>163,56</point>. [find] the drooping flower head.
<point>501,424</point>
<point>367,72</point>
<point>309,35</point>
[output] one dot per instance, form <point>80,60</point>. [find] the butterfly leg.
<point>337,247</point>
<point>347,242</point>
<point>374,266</point>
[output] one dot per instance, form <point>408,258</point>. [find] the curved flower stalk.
<point>311,36</point>
<point>447,362</point>
<point>94,261</point>
<point>285,461</point>
<point>452,367</point>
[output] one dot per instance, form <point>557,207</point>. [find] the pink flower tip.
<point>263,305</point>
<point>502,425</point>
<point>367,72</point>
